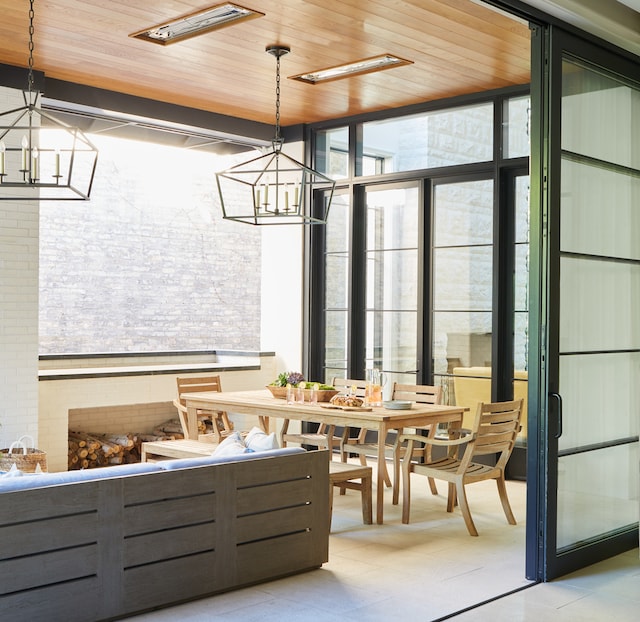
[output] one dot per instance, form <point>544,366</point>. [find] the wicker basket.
<point>323,395</point>
<point>25,458</point>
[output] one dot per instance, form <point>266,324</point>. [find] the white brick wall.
<point>18,310</point>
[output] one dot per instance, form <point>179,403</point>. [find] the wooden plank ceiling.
<point>457,47</point>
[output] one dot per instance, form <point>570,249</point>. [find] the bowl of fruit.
<point>278,388</point>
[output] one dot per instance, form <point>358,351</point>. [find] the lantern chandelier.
<point>271,189</point>
<point>60,165</point>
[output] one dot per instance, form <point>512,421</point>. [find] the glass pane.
<point>467,387</point>
<point>464,214</point>
<point>595,201</point>
<point>337,227</point>
<point>462,274</point>
<point>336,281</point>
<point>515,131</point>
<point>464,278</point>
<point>521,298</point>
<point>392,218</point>
<point>599,308</point>
<point>597,112</point>
<point>522,209</point>
<point>391,340</point>
<point>522,278</point>
<point>521,341</point>
<point>428,140</point>
<point>603,393</point>
<point>461,340</point>
<point>597,493</point>
<point>392,279</point>
<point>335,355</point>
<point>332,152</point>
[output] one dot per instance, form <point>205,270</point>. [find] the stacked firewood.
<point>87,450</point>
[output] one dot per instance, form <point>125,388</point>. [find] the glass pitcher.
<point>373,390</point>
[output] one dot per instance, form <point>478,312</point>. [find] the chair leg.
<point>367,500</point>
<point>396,477</point>
<point>406,491</point>
<point>432,482</point>
<point>330,504</point>
<point>451,496</point>
<point>432,486</point>
<point>387,479</point>
<point>464,507</point>
<point>502,491</point>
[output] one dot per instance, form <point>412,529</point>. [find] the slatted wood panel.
<point>104,549</point>
<point>456,46</point>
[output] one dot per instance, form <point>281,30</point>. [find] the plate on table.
<point>398,405</point>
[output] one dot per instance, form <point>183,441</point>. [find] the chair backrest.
<point>344,385</point>
<point>494,431</point>
<point>420,393</point>
<point>195,385</point>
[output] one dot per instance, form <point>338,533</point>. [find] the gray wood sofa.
<point>88,546</point>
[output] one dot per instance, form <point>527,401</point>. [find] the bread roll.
<point>347,400</point>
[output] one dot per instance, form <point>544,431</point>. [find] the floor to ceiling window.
<point>408,260</point>
<point>391,284</point>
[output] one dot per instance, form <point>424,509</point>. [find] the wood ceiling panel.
<point>457,46</point>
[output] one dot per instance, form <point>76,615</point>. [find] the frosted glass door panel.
<point>597,112</point>
<point>601,305</point>
<point>595,201</point>
<point>598,309</point>
<point>603,391</point>
<point>597,493</point>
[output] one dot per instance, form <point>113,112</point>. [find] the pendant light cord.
<point>278,139</point>
<point>277,51</point>
<point>31,31</point>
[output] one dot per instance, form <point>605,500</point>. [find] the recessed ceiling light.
<point>197,23</point>
<point>366,65</point>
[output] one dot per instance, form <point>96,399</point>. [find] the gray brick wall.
<point>148,263</point>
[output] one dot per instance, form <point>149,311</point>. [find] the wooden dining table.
<point>263,405</point>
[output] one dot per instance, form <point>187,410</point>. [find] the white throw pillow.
<point>258,440</point>
<point>230,446</point>
<point>14,471</point>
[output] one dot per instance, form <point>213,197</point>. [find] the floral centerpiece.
<point>278,388</point>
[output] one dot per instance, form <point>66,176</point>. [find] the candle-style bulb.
<point>25,144</point>
<point>35,173</point>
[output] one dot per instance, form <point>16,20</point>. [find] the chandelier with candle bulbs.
<point>274,189</point>
<point>58,164</point>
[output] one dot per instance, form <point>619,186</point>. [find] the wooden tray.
<point>337,407</point>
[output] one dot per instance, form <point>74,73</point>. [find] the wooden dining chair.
<point>319,437</point>
<point>222,427</point>
<point>419,393</point>
<point>494,431</point>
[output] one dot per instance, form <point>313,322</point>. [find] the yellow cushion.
<point>471,390</point>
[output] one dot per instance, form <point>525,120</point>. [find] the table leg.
<point>192,423</point>
<point>382,435</point>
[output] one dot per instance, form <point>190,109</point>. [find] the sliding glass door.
<point>589,478</point>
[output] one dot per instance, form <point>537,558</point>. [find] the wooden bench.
<point>153,451</point>
<point>342,475</point>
